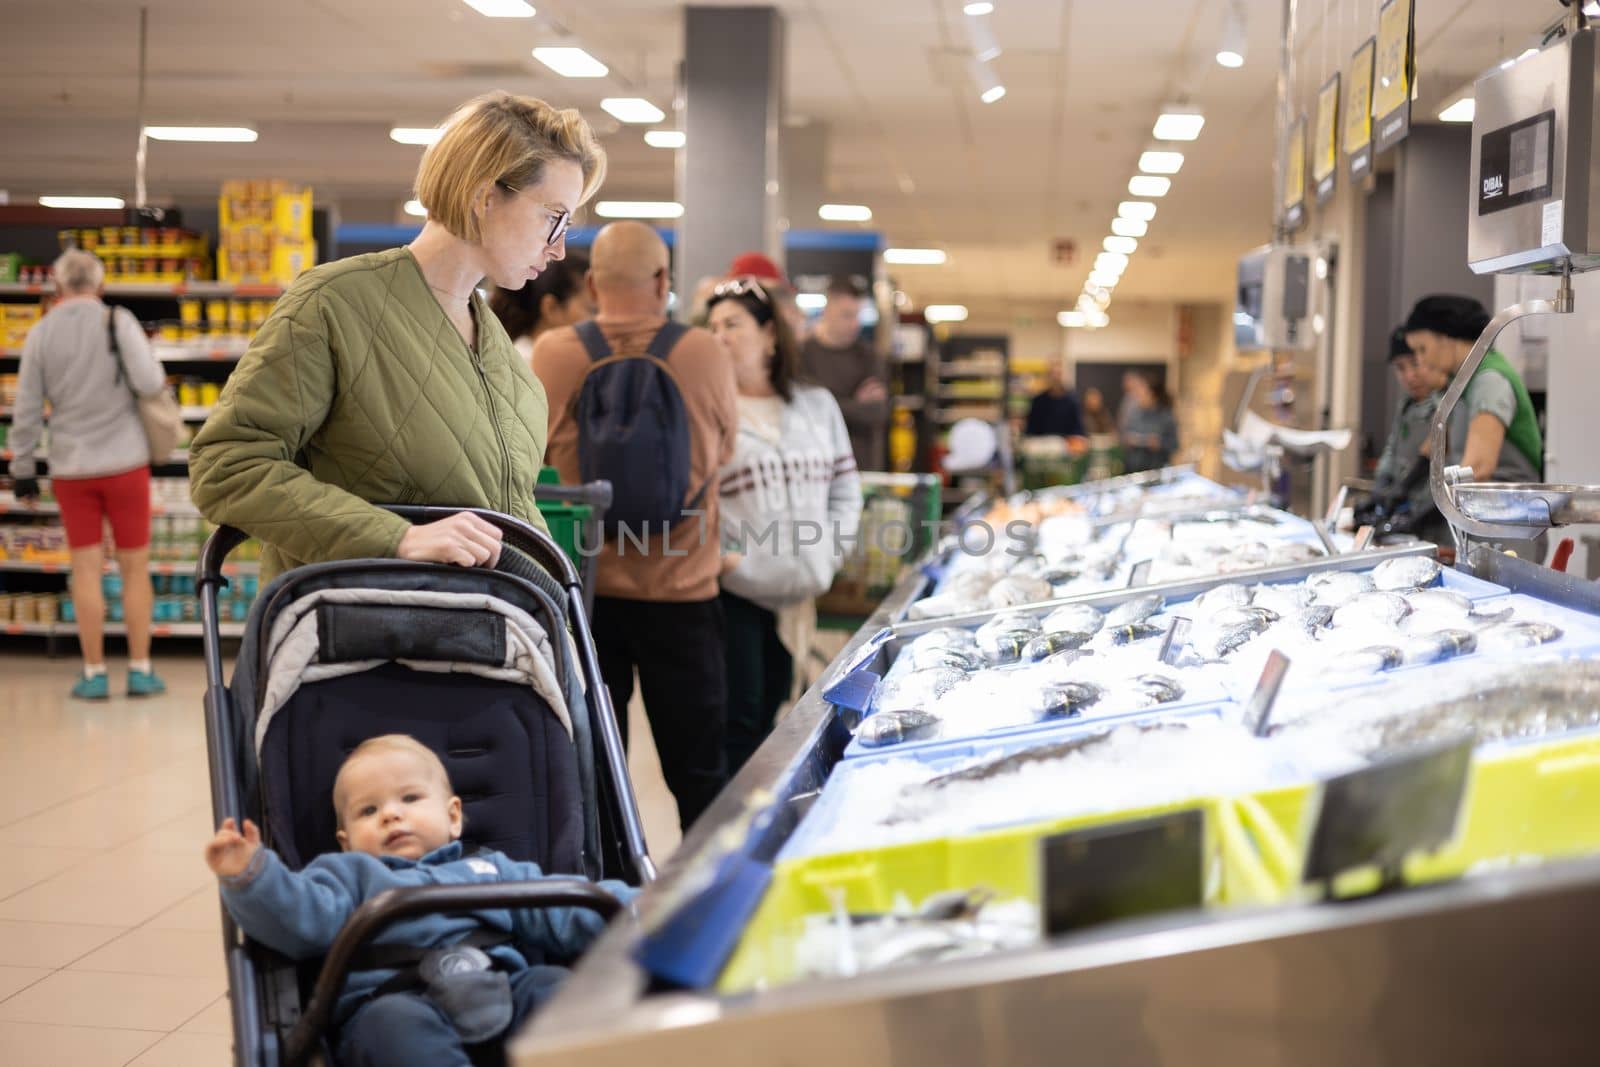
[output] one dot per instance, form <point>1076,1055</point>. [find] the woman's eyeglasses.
<point>558,224</point>
<point>742,287</point>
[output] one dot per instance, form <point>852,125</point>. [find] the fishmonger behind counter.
<point>1402,501</point>
<point>1493,429</point>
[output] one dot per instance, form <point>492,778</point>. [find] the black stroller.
<point>493,669</point>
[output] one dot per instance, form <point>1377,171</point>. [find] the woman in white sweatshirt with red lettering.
<point>791,507</point>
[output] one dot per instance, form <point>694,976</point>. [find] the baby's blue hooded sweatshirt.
<point>299,913</point>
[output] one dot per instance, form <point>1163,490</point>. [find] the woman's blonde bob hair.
<point>500,137</point>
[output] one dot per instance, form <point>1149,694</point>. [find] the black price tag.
<point>1177,637</point>
<point>1258,712</point>
<point>1140,574</point>
<point>1120,871</point>
<point>1379,815</point>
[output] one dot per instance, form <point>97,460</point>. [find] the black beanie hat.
<point>1453,316</point>
<point>1397,343</point>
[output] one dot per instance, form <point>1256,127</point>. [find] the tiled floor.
<point>109,934</point>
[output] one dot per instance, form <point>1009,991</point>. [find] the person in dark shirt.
<point>1054,412</point>
<point>1097,418</point>
<point>837,357</point>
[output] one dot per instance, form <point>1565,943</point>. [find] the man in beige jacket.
<point>656,610</point>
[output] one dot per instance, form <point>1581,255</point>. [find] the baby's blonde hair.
<point>387,743</point>
<point>501,138</point>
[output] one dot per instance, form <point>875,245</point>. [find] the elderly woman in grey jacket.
<point>790,502</point>
<point>99,458</point>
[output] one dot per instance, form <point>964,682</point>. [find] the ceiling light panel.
<point>1161,161</point>
<point>423,135</point>
<point>1149,185</point>
<point>1125,245</point>
<point>106,202</point>
<point>845,213</point>
<point>1174,125</point>
<point>502,9</point>
<point>914,257</point>
<point>1128,227</point>
<point>639,209</point>
<point>1136,209</point>
<point>665,138</point>
<point>571,62</point>
<point>1460,111</point>
<point>632,109</point>
<point>202,134</point>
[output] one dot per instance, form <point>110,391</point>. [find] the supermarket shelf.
<point>911,403</point>
<point>155,289</point>
<point>971,368</point>
<point>181,352</point>
<point>956,416</point>
<point>195,413</point>
<point>185,566</point>
<point>11,507</point>
<point>178,458</point>
<point>158,629</point>
<point>957,396</point>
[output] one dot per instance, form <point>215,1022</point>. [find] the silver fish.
<point>1439,645</point>
<point>1156,689</point>
<point>1048,644</point>
<point>1249,554</point>
<point>943,604</point>
<point>1011,620</point>
<point>1138,609</point>
<point>916,688</point>
<point>897,727</point>
<point>1372,609</point>
<point>1060,575</point>
<point>1446,603</point>
<point>1524,634</point>
<point>1063,700</point>
<point>1080,618</point>
<point>1313,619</point>
<point>1002,765</point>
<point>1411,572</point>
<point>1531,703</point>
<point>1017,589</point>
<point>970,585</point>
<point>1284,599</point>
<point>1128,633</point>
<point>961,659</point>
<point>1250,615</point>
<point>1293,552</point>
<point>1370,660</point>
<point>1227,595</point>
<point>1337,588</point>
<point>1215,642</point>
<point>1000,647</point>
<point>946,637</point>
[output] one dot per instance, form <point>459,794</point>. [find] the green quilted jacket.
<point>356,389</point>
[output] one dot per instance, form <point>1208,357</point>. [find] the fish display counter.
<point>1089,823</point>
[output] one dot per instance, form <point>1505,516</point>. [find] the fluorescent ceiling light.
<point>981,37</point>
<point>1231,49</point>
<point>415,134</point>
<point>914,257</point>
<point>844,212</point>
<point>632,109</point>
<point>1125,245</point>
<point>665,138</point>
<point>1103,279</point>
<point>988,83</point>
<point>1178,125</point>
<point>980,7</point>
<point>81,201</point>
<point>218,134</point>
<point>1157,161</point>
<point>1514,60</point>
<point>1460,111</point>
<point>1149,185</point>
<point>1129,227</point>
<point>571,62</point>
<point>1136,209</point>
<point>414,207</point>
<point>1098,320</point>
<point>502,9</point>
<point>639,209</point>
<point>945,313</point>
<point>1071,320</point>
<point>810,301</point>
<point>1115,262</point>
<point>1592,9</point>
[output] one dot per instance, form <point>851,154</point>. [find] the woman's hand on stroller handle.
<point>229,853</point>
<point>463,539</point>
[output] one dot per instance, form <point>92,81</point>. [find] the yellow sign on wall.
<point>1325,142</point>
<point>1294,175</point>
<point>1391,83</point>
<point>1358,105</point>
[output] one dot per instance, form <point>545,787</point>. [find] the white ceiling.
<point>323,80</point>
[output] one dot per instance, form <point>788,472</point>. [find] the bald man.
<point>655,610</point>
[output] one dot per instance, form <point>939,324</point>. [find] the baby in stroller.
<point>432,986</point>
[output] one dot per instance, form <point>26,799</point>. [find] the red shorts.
<point>87,502</point>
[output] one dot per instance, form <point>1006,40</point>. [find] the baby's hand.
<point>230,852</point>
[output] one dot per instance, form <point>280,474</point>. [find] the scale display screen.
<point>1517,163</point>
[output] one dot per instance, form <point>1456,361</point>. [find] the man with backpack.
<point>649,405</point>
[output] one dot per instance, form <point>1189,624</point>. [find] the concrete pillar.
<point>728,171</point>
<point>805,160</point>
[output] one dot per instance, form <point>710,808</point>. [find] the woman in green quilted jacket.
<point>386,378</point>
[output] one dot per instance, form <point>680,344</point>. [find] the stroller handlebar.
<point>523,536</point>
<point>390,906</point>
